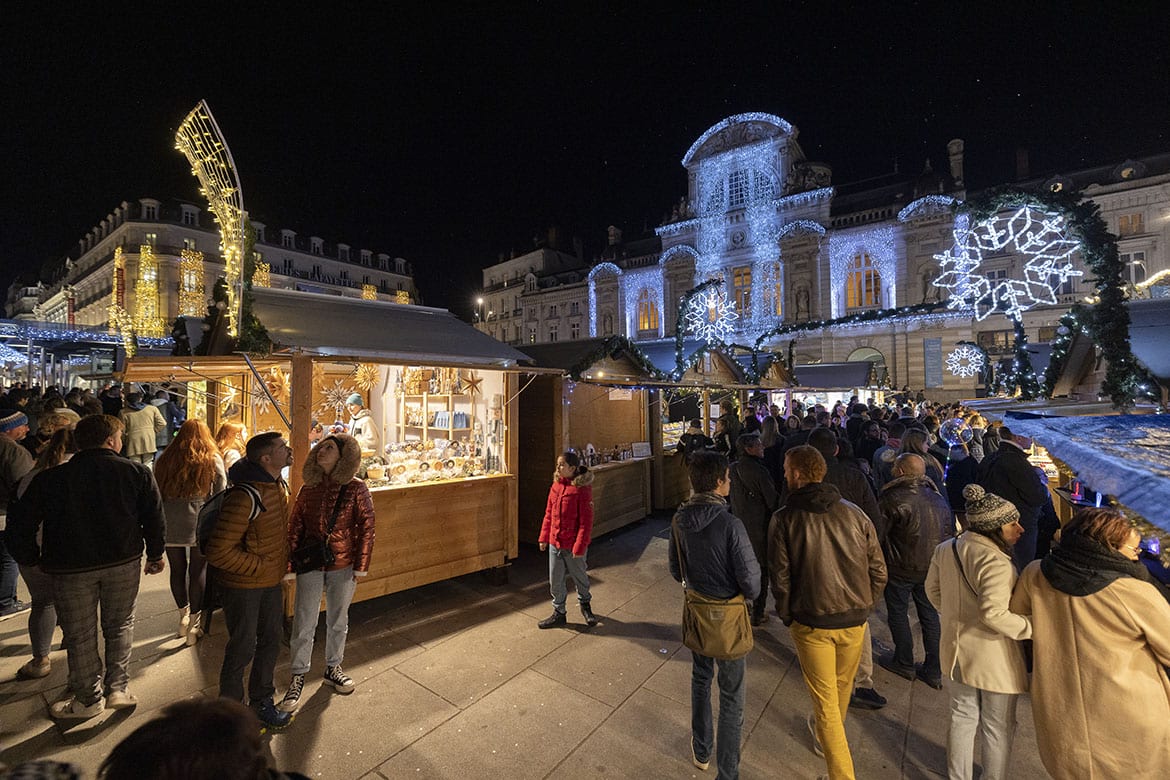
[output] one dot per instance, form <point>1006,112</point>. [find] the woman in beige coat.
<point>970,584</point>
<point>1101,635</point>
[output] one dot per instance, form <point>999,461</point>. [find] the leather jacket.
<point>915,519</point>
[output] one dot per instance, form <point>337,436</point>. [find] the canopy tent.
<point>1127,456</point>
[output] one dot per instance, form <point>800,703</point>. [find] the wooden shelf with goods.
<point>428,403</point>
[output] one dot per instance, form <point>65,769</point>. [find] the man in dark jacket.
<point>717,561</point>
<point>753,500</point>
<point>915,520</point>
<point>96,513</point>
<point>827,572</point>
<point>1008,474</point>
<point>15,462</point>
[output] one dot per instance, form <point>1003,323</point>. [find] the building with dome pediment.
<point>792,247</point>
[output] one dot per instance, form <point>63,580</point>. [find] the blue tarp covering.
<point>1127,456</point>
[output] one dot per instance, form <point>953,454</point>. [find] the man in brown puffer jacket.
<point>249,550</point>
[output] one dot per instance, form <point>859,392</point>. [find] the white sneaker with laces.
<point>72,709</point>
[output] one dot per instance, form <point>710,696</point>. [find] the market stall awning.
<point>189,369</point>
<point>1126,455</point>
<point>331,325</point>
<point>835,376</point>
<point>612,360</point>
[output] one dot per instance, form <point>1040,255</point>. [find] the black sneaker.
<point>14,609</point>
<point>553,620</point>
<point>888,663</point>
<point>587,613</point>
<point>867,699</point>
<point>931,680</point>
<point>271,719</point>
<point>340,681</point>
<point>292,698</point>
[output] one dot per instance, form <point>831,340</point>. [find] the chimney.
<point>955,152</point>
<point>1022,171</point>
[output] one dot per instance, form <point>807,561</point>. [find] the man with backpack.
<point>248,545</point>
<point>96,513</point>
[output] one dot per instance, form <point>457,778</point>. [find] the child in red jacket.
<point>565,533</point>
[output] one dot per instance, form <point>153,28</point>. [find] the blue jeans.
<point>561,562</point>
<point>338,586</point>
<point>8,573</point>
<point>898,595</point>
<point>731,697</point>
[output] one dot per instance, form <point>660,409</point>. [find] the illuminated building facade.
<point>169,252</point>
<point>790,247</point>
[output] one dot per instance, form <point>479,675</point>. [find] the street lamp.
<point>479,309</point>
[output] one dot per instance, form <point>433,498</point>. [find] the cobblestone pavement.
<point>455,680</point>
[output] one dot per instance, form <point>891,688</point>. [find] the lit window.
<point>741,286</point>
<point>737,189</point>
<point>189,244</point>
<point>863,287</point>
<point>1135,265</point>
<point>532,335</point>
<point>776,305</point>
<point>647,311</point>
<point>1130,224</point>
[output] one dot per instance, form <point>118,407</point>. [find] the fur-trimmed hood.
<point>581,480</point>
<point>347,465</point>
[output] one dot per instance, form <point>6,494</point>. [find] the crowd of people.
<point>828,509</point>
<point>835,508</point>
<point>161,492</point>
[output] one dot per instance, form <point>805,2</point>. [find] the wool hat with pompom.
<point>987,511</point>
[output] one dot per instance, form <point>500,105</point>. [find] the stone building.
<point>790,246</point>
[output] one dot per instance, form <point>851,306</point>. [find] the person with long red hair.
<point>231,439</point>
<point>189,471</point>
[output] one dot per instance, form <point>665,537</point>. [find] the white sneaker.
<point>121,700</point>
<point>72,709</point>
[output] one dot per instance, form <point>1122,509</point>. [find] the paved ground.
<point>455,680</point>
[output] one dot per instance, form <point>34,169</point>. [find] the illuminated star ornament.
<point>965,361</point>
<point>710,316</point>
<point>1039,236</point>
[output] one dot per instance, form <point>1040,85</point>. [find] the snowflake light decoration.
<point>965,361</point>
<point>1039,236</point>
<point>710,315</point>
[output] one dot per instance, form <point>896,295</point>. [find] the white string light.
<point>710,316</point>
<point>966,360</point>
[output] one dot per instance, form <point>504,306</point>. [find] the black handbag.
<point>319,555</point>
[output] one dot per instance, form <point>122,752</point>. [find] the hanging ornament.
<point>966,360</point>
<point>710,316</point>
<point>366,375</point>
<point>333,399</point>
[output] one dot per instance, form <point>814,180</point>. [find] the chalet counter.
<point>621,494</point>
<point>434,531</point>
<point>676,485</point>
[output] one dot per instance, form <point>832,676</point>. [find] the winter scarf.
<point>1081,566</point>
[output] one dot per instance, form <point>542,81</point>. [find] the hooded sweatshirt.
<point>716,551</point>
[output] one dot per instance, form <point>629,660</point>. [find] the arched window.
<point>863,286</point>
<point>647,311</point>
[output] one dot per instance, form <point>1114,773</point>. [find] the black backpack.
<point>209,513</point>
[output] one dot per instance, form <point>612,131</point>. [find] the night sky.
<point>448,138</point>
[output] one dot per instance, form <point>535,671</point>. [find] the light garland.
<point>966,360</point>
<point>402,296</point>
<point>600,268</point>
<point>200,140</point>
<point>262,275</point>
<point>192,295</point>
<point>782,126</point>
<point>880,243</point>
<point>800,227</point>
<point>710,316</point>
<point>146,315</point>
<point>369,292</point>
<point>927,206</point>
<point>1039,235</point>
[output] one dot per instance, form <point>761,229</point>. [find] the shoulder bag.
<point>716,628</point>
<point>318,555</point>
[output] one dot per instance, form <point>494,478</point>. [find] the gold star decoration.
<point>366,375</point>
<point>471,384</point>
